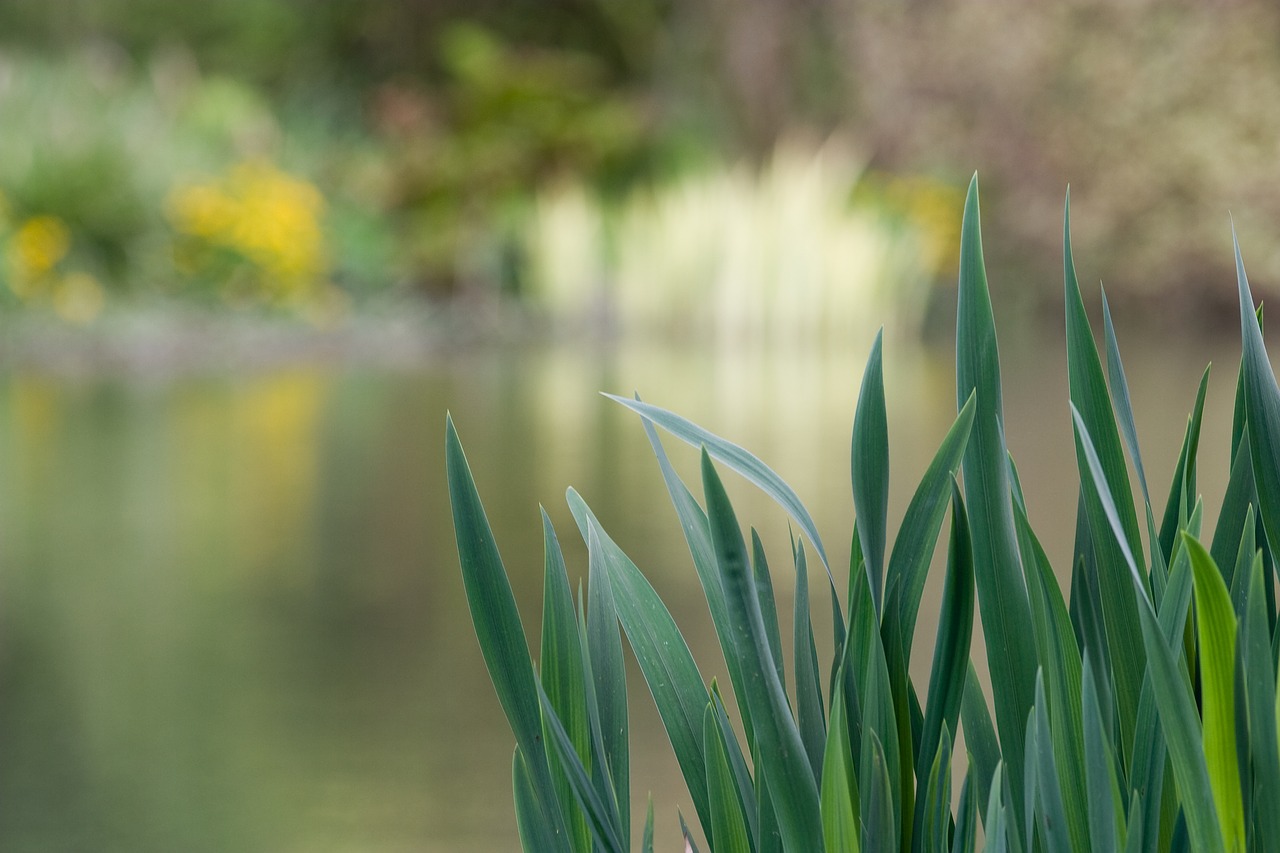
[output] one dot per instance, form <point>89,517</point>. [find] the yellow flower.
<point>266,217</point>
<point>34,250</point>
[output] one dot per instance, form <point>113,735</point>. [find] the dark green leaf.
<point>1002,598</point>
<point>563,678</point>
<point>739,460</point>
<point>665,660</point>
<point>497,624</point>
<point>809,711</point>
<point>1092,403</point>
<point>1262,408</point>
<point>869,461</point>
<point>918,534</point>
<point>781,749</point>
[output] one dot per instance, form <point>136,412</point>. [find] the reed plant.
<point>1135,710</point>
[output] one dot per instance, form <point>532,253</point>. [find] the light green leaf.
<point>1216,626</point>
<point>839,792</point>
<point>729,827</point>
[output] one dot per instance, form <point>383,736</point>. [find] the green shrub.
<point>1120,718</point>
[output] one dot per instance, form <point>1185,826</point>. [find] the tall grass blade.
<point>1182,491</point>
<point>563,677</point>
<point>1002,598</point>
<point>996,825</point>
<point>1060,669</point>
<point>1051,817</point>
<point>965,837</point>
<point>879,823</point>
<point>697,534</point>
<point>1172,693</point>
<point>729,825</point>
<point>609,677</point>
<point>1216,626</point>
<point>869,463</point>
<point>1090,398</point>
<point>739,460</point>
<point>601,813</point>
<point>737,764</point>
<point>1105,811</point>
<point>768,606</point>
<point>536,832</point>
<point>810,714</point>
<point>839,791</point>
<point>782,751</point>
<point>1260,693</point>
<point>1236,503</point>
<point>951,650</point>
<point>665,660</point>
<point>979,735</point>
<point>497,624</point>
<point>1262,409</point>
<point>918,534</point>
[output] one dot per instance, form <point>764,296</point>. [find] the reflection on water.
<point>230,611</point>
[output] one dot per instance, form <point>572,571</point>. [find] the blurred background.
<point>252,250</point>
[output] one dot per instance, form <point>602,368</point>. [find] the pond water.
<point>231,616</point>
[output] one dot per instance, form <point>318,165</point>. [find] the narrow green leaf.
<point>497,624</point>
<point>608,674</point>
<point>869,463</point>
<point>768,606</point>
<point>601,814</point>
<point>1172,693</point>
<point>1092,402</point>
<point>739,460</point>
<point>689,845</point>
<point>1060,667</point>
<point>918,534</point>
<point>1236,502</point>
<point>996,825</point>
<point>1105,813</point>
<point>965,837</point>
<point>839,792</point>
<point>536,832</point>
<point>1051,814</point>
<point>1262,408</point>
<point>933,835</point>
<point>729,826</point>
<point>1260,688</point>
<point>737,764</point>
<point>782,751</point>
<point>1002,598</point>
<point>665,660</point>
<point>1216,625</point>
<point>979,735</point>
<point>810,714</point>
<point>563,678</point>
<point>879,824</point>
<point>697,534</point>
<point>1182,491</point>
<point>955,632</point>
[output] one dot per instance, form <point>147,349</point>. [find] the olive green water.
<point>230,610</point>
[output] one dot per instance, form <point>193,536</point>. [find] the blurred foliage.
<point>431,127</point>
